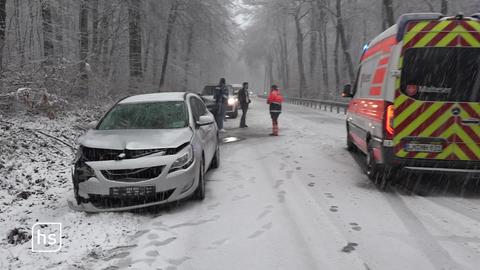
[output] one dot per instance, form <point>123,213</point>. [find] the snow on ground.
<point>297,201</point>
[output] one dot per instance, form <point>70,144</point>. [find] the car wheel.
<point>200,191</point>
<point>381,176</point>
<point>350,145</point>
<point>216,159</point>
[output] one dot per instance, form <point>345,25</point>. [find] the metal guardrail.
<point>325,105</point>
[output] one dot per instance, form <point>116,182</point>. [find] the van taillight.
<point>389,131</point>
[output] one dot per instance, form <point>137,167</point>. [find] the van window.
<point>365,76</point>
<point>442,74</point>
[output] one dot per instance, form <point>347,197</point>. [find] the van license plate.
<point>132,191</point>
<point>429,148</point>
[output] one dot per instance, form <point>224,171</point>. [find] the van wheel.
<point>200,191</point>
<point>381,176</point>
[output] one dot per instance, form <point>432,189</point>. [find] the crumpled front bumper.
<point>95,196</point>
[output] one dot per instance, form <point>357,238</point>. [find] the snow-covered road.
<point>297,201</point>
<point>301,201</point>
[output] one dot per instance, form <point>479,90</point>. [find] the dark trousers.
<point>244,115</point>
<point>275,116</point>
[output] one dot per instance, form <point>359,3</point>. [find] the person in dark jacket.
<point>244,99</point>
<point>275,100</point>
<point>221,101</point>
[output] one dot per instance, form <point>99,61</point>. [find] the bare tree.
<point>83,24</point>
<point>297,17</point>
<point>135,41</point>
<point>389,17</point>
<point>343,40</point>
<point>3,17</point>
<point>172,17</point>
<point>47,32</point>
<point>444,8</point>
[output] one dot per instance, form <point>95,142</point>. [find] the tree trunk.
<point>323,21</point>
<point>444,9</point>
<point>343,40</point>
<point>172,17</point>
<point>389,15</point>
<point>103,44</point>
<point>336,61</point>
<point>188,57</point>
<point>95,22</point>
<point>47,32</point>
<point>3,17</point>
<point>313,40</point>
<point>299,43</point>
<point>83,22</point>
<point>135,41</point>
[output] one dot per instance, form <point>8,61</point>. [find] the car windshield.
<point>151,115</point>
<point>442,74</point>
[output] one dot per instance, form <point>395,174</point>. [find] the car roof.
<point>164,96</point>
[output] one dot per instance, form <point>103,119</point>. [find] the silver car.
<point>147,150</point>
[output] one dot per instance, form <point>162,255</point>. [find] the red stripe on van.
<point>412,117</point>
<point>384,46</point>
<point>375,91</point>
<point>384,61</point>
<point>379,75</point>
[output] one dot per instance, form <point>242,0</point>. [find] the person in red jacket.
<point>275,100</point>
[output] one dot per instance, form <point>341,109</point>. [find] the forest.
<point>69,50</point>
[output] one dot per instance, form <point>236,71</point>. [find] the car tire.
<point>199,193</point>
<point>381,176</point>
<point>216,158</point>
<point>350,145</point>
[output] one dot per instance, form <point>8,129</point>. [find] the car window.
<point>442,74</point>
<point>198,108</point>
<point>149,115</point>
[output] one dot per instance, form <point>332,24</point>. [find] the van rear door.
<point>437,111</point>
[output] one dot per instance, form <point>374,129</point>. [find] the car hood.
<point>136,139</point>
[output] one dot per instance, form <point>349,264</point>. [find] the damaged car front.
<point>140,154</point>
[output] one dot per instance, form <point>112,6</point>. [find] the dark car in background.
<point>208,93</point>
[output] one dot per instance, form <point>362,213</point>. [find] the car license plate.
<point>429,148</point>
<point>132,191</point>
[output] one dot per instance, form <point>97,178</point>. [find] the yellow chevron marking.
<point>475,25</point>
<point>432,33</point>
<point>420,120</point>
<point>414,31</point>
<point>398,120</point>
<point>468,141</point>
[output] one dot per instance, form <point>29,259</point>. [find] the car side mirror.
<point>347,91</point>
<point>92,125</point>
<point>205,120</point>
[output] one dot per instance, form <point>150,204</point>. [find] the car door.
<point>203,133</point>
<point>211,140</point>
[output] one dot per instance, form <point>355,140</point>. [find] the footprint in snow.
<point>256,234</point>
<point>329,195</point>
<point>334,208</point>
<point>264,214</point>
<point>311,184</point>
<point>236,197</point>
<point>349,247</point>
<point>281,196</point>
<point>355,226</point>
<point>278,183</point>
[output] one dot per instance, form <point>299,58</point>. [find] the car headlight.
<point>231,101</point>
<point>184,161</point>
